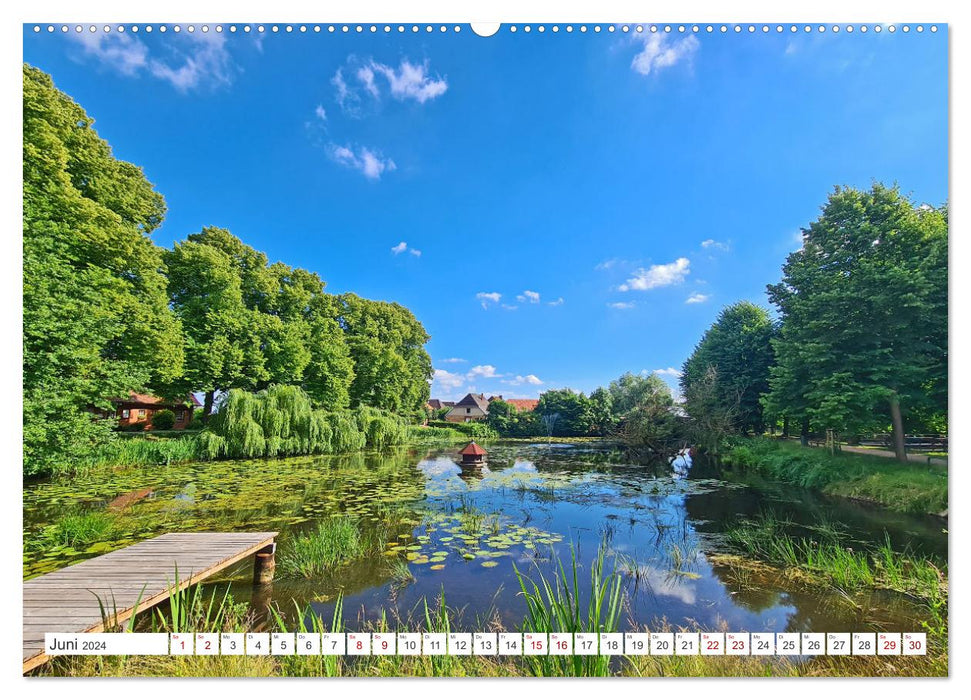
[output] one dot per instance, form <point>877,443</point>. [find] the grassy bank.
<point>912,488</point>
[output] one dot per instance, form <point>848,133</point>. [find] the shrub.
<point>163,420</point>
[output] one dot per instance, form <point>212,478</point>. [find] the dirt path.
<point>915,458</point>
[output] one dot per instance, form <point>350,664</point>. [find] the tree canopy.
<point>863,306</point>
<point>96,317</point>
<point>738,346</point>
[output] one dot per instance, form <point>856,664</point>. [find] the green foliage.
<point>76,529</point>
<point>602,411</point>
<point>281,421</point>
<point>558,605</point>
<point>163,420</point>
<point>646,417</point>
<point>475,429</point>
<point>864,313</point>
<point>392,369</point>
<point>335,541</point>
<point>96,321</point>
<point>506,420</point>
<point>572,411</point>
<point>738,347</point>
<point>910,488</point>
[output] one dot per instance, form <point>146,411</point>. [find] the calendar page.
<point>432,347</point>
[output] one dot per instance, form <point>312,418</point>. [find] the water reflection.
<point>463,531</point>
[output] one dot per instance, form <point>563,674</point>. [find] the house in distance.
<point>475,407</point>
<point>138,409</point>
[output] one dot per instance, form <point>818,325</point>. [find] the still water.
<point>464,532</point>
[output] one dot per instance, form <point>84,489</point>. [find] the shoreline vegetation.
<point>910,488</point>
<point>555,604</point>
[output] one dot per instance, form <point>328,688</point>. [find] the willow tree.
<point>864,314</point>
<point>96,318</point>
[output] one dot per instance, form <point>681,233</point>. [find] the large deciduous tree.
<point>392,369</point>
<point>864,314</point>
<point>96,318</point>
<point>738,346</point>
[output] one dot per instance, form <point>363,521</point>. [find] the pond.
<point>465,532</point>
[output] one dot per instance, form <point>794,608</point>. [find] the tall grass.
<point>77,529</point>
<point>908,487</point>
<point>766,538</point>
<point>557,605</point>
<point>334,541</point>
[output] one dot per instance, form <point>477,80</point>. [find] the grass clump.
<point>333,541</point>
<point>78,529</point>
<point>911,487</point>
<point>563,605</point>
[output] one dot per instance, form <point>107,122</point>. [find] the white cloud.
<point>607,264</point>
<point>452,360</point>
<point>415,252</point>
<point>531,297</point>
<point>669,372</point>
<point>366,75</point>
<point>321,113</point>
<point>662,51</point>
<point>487,297</point>
<point>528,379</point>
<point>121,52</point>
<point>197,60</point>
<point>448,380</point>
<point>509,307</point>
<point>400,248</point>
<point>556,302</point>
<point>410,81</point>
<point>658,276</point>
<point>715,245</point>
<point>697,298</point>
<point>486,371</point>
<point>342,93</point>
<point>370,163</point>
<point>207,63</point>
<point>621,305</point>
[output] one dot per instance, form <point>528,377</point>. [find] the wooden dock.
<point>67,600</point>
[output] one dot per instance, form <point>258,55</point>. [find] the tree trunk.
<point>785,427</point>
<point>804,433</point>
<point>207,406</point>
<point>899,448</point>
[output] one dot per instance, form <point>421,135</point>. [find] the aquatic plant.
<point>333,541</point>
<point>557,606</point>
<point>81,528</point>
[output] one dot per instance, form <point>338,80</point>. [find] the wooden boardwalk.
<point>67,600</point>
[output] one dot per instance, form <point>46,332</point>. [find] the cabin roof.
<point>473,449</point>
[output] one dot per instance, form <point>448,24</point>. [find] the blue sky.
<point>557,209</point>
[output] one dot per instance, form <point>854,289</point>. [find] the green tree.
<point>602,411</point>
<point>864,314</point>
<point>738,346</point>
<point>96,318</point>
<point>573,411</point>
<point>223,337</point>
<point>647,419</point>
<point>392,369</point>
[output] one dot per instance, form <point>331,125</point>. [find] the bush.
<point>163,420</point>
<point>472,430</point>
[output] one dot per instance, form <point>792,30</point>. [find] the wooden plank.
<point>67,600</point>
